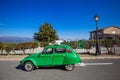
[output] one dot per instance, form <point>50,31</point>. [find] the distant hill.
<point>15,39</point>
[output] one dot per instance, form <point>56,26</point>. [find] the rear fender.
<point>71,60</point>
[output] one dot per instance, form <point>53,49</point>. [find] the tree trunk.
<point>108,50</point>
<point>1,51</point>
<point>14,51</point>
<point>23,51</point>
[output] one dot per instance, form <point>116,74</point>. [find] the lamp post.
<point>96,17</point>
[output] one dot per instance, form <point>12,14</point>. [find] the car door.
<point>58,56</point>
<point>45,58</point>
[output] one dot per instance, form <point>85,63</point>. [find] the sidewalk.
<point>102,56</point>
<point>82,56</point>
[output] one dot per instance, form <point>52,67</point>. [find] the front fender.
<point>29,59</point>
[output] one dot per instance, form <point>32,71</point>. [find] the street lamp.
<point>96,17</point>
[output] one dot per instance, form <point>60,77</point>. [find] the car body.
<point>52,55</point>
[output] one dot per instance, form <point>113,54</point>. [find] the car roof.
<point>56,45</point>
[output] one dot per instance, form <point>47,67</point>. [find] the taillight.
<point>69,51</point>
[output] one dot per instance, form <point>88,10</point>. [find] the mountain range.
<point>15,39</point>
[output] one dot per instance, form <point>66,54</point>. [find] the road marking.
<point>90,64</point>
<point>80,64</point>
<point>98,63</point>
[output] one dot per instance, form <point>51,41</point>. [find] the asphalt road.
<point>11,70</point>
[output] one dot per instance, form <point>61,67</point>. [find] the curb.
<point>117,57</point>
<point>11,58</point>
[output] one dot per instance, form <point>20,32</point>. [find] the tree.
<point>31,45</point>
<point>73,44</point>
<point>1,47</point>
<point>43,44</point>
<point>13,45</point>
<point>87,46</point>
<point>8,47</point>
<point>21,46</point>
<point>108,44</point>
<point>46,33</point>
<point>27,45</point>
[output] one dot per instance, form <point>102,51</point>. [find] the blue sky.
<point>70,18</point>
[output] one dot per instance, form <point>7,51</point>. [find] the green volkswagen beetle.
<point>53,55</point>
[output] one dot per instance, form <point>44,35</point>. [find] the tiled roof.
<point>105,28</point>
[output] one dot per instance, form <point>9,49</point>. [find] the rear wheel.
<point>69,67</point>
<point>28,66</point>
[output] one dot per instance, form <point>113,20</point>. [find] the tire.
<point>69,67</point>
<point>28,66</point>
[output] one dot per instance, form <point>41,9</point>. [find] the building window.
<point>113,32</point>
<point>109,37</point>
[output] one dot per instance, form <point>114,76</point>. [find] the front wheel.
<point>69,67</point>
<point>28,66</point>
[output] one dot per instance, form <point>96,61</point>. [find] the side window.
<point>60,50</point>
<point>48,51</point>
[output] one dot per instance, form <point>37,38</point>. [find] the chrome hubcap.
<point>28,67</point>
<point>69,67</point>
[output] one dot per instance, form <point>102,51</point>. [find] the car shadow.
<point>20,67</point>
<point>53,68</point>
